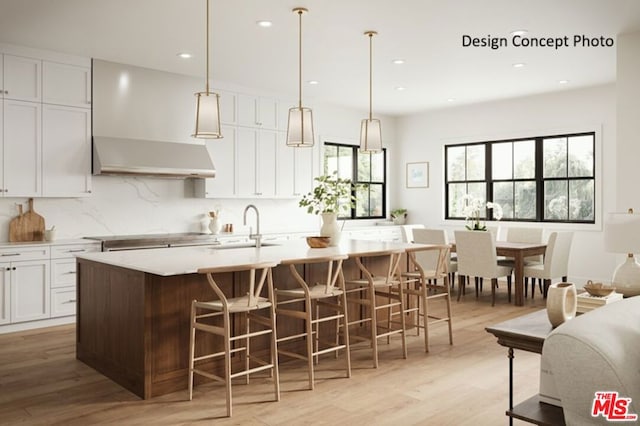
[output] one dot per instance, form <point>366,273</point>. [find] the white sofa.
<point>595,352</point>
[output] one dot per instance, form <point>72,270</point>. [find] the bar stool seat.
<point>317,309</point>
<point>206,317</point>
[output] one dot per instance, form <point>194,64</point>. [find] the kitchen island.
<point>133,306</point>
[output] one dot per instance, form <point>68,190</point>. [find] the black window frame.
<point>355,152</point>
<point>539,178</point>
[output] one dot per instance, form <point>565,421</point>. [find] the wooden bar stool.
<point>315,299</point>
<point>366,291</point>
<point>428,280</point>
<point>204,313</point>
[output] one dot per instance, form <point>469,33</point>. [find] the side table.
<point>527,333</point>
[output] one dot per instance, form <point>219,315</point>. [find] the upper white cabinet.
<point>223,154</point>
<point>22,144</point>
<point>21,78</point>
<point>257,111</point>
<point>228,108</point>
<point>294,176</point>
<point>64,84</point>
<point>45,125</point>
<point>66,151</point>
<point>256,151</point>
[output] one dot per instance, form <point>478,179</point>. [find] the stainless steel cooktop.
<point>129,242</point>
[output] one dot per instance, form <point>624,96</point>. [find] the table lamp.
<point>622,235</point>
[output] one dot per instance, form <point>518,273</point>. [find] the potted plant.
<point>399,216</point>
<point>328,200</point>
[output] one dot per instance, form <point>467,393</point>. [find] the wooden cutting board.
<point>26,227</point>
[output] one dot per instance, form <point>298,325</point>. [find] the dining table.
<point>517,251</point>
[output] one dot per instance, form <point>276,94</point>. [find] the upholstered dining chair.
<point>428,279</point>
<point>556,261</point>
<point>435,236</point>
<point>477,258</point>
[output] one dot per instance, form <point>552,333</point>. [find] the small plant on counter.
<point>330,195</point>
<point>399,216</point>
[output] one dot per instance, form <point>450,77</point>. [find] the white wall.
<point>421,137</point>
<point>628,149</point>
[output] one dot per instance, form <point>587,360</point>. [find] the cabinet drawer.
<point>63,273</point>
<point>63,302</point>
<point>18,254</point>
<point>71,250</point>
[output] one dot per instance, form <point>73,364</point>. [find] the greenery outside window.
<point>535,179</point>
<point>368,173</point>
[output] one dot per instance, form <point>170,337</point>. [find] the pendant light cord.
<point>370,75</point>
<point>300,59</point>
<point>207,47</point>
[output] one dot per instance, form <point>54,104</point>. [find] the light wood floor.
<point>41,382</point>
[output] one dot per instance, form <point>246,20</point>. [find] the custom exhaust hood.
<point>124,156</point>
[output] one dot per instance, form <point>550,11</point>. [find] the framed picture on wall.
<point>418,175</point>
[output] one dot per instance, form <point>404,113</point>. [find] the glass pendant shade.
<point>300,127</point>
<point>370,135</point>
<point>207,116</point>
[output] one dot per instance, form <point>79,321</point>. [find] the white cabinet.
<point>257,111</point>
<point>256,162</point>
<point>22,144</point>
<point>66,151</point>
<point>294,169</point>
<point>64,84</point>
<point>63,277</point>
<point>223,154</point>
<point>228,109</point>
<point>5,293</point>
<point>21,78</point>
<point>26,269</point>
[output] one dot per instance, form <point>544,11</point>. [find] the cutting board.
<point>26,227</point>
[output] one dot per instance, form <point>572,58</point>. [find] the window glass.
<point>525,200</point>
<point>555,157</point>
<point>475,162</point>
<point>456,163</point>
<point>556,203</point>
<point>501,158</point>
<point>581,202</point>
<point>580,156</point>
<point>503,195</point>
<point>524,159</point>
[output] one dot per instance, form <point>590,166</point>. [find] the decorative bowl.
<point>318,242</point>
<point>598,289</point>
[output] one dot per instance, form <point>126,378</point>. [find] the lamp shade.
<point>300,127</point>
<point>370,135</point>
<point>622,233</point>
<point>207,116</point>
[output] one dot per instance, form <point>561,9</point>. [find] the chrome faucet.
<point>257,235</point>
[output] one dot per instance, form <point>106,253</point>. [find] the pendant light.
<point>207,105</point>
<point>300,125</point>
<point>370,132</point>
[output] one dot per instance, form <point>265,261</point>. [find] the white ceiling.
<point>427,34</point>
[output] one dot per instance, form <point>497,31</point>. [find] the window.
<point>368,173</point>
<point>537,179</point>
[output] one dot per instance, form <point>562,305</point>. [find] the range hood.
<point>139,157</point>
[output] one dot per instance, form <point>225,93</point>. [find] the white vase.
<point>204,224</point>
<point>215,226</point>
<point>562,303</point>
<point>330,228</point>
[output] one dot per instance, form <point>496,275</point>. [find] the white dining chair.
<point>407,231</point>
<point>477,258</point>
<point>556,261</point>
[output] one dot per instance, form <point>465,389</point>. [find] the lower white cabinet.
<point>25,269</point>
<point>39,282</point>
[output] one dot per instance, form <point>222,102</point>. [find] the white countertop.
<point>47,243</point>
<point>187,260</point>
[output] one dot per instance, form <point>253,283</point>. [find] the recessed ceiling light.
<point>313,82</point>
<point>519,65</point>
<point>398,61</point>
<point>519,32</point>
<point>400,88</point>
<point>451,100</point>
<point>264,24</point>
<point>563,81</point>
<point>184,55</point>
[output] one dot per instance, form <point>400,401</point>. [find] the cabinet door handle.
<point>69,301</point>
<point>10,254</point>
<point>70,273</point>
<point>75,250</point>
